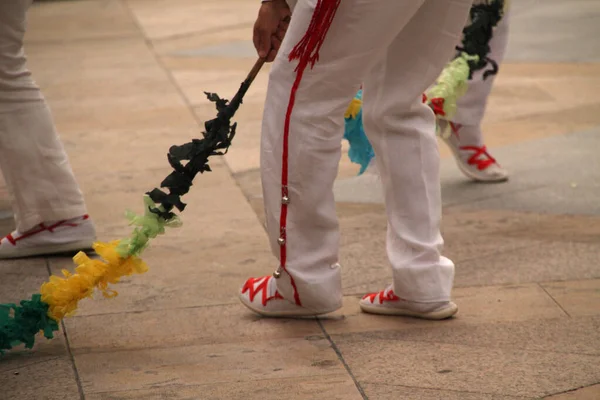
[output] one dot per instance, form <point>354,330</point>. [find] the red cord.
<point>481,164</point>
<point>307,52</point>
<point>42,228</point>
<point>390,296</point>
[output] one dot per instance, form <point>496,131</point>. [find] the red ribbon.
<point>437,104</point>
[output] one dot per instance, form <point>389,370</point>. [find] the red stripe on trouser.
<point>306,51</point>
<point>284,184</point>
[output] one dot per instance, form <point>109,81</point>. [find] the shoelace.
<point>384,295</point>
<point>262,287</point>
<point>480,162</point>
<point>42,228</point>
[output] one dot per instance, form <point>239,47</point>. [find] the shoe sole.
<point>470,174</point>
<point>445,313</point>
<point>71,247</point>
<point>285,314</point>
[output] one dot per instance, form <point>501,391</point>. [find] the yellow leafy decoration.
<point>353,108</point>
<point>62,294</point>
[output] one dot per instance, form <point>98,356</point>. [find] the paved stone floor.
<point>125,80</point>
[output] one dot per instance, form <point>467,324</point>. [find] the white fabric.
<point>32,158</point>
<point>291,4</point>
<point>397,48</point>
<point>472,106</point>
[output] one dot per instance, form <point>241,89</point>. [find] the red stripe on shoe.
<point>42,228</point>
<point>262,287</point>
<point>11,240</point>
<point>383,296</point>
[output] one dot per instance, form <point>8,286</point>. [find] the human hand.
<point>270,27</point>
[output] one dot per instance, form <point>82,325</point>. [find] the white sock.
<point>469,135</point>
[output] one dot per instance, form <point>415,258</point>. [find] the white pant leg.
<point>359,36</point>
<point>291,4</point>
<point>402,131</point>
<point>471,107</point>
<point>32,157</point>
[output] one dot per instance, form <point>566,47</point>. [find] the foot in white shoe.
<point>387,303</point>
<point>261,296</point>
<point>475,162</point>
<point>58,237</point>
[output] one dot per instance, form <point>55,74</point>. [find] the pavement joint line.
<point>350,294</point>
<point>544,114</point>
<point>61,42</point>
<point>150,46</point>
<point>451,205</point>
<point>498,285</point>
<point>572,390</point>
<point>210,31</point>
<point>199,385</point>
<point>90,350</point>
<point>470,345</point>
<point>73,363</point>
<point>342,360</point>
<point>452,390</point>
<point>188,104</point>
<point>554,300</point>
<point>112,350</point>
<point>68,346</point>
<point>233,303</point>
<point>30,364</point>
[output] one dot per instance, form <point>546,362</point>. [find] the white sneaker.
<point>50,238</point>
<point>387,303</point>
<point>261,296</point>
<point>474,161</point>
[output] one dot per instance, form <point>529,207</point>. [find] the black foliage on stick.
<point>191,158</point>
<point>477,35</point>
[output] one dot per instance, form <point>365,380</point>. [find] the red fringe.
<point>307,50</point>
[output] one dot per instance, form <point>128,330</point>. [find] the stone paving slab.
<point>490,304</point>
<point>206,364</point>
<point>537,333</point>
<point>542,31</point>
<point>558,174</point>
<point>125,80</point>
<point>160,20</point>
<point>399,392</point>
<point>330,386</point>
<point>80,21</point>
<point>179,327</point>
<point>51,379</point>
<point>465,368</point>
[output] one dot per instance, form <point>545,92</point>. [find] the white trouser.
<point>397,48</point>
<point>471,107</point>
<point>32,158</point>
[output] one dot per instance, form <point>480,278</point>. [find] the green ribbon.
<point>148,226</point>
<point>21,323</point>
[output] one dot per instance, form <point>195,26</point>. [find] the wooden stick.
<point>255,70</point>
<point>237,99</point>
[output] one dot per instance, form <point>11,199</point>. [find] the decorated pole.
<point>59,297</point>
